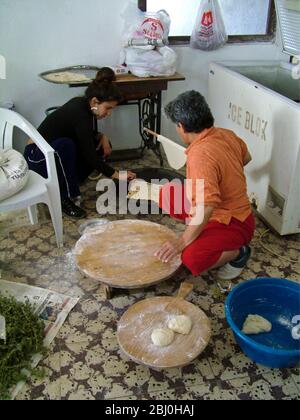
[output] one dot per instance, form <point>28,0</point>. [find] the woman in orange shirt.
<point>219,220</point>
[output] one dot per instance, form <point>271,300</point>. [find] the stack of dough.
<point>163,337</point>
<point>256,324</point>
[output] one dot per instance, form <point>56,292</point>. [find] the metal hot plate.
<point>71,75</point>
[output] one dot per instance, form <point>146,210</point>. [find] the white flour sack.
<point>13,172</point>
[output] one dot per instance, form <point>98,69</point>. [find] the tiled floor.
<point>85,361</point>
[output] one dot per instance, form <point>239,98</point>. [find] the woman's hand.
<point>170,249</point>
<point>104,142</point>
<point>131,175</point>
<point>124,175</point>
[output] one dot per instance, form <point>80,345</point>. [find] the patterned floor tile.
<point>170,394</point>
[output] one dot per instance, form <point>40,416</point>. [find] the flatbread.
<point>66,77</point>
<point>142,190</point>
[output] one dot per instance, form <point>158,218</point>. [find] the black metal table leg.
<point>149,109</point>
<point>150,117</point>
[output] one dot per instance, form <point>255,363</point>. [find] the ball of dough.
<point>256,324</point>
<point>181,324</point>
<point>162,337</point>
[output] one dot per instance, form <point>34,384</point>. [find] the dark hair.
<point>103,87</point>
<point>191,110</point>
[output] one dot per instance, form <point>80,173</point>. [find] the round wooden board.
<point>137,323</point>
<point>121,254</point>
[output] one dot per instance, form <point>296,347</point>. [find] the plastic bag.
<point>146,63</point>
<point>145,36</point>
<point>209,30</point>
<point>145,26</point>
<point>13,172</point>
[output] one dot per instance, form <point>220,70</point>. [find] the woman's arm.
<point>170,249</point>
<point>86,145</point>
<point>194,229</point>
<point>105,144</point>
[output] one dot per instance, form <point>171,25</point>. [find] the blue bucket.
<point>277,300</point>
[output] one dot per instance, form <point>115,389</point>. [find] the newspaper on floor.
<point>53,308</point>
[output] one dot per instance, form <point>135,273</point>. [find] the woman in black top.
<point>79,148</point>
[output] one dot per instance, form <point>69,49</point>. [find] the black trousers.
<point>71,171</point>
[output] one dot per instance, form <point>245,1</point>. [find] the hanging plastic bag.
<point>209,31</point>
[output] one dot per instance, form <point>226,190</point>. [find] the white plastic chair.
<point>38,189</point>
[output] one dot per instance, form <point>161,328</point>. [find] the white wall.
<point>39,35</point>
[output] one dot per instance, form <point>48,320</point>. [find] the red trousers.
<point>214,239</point>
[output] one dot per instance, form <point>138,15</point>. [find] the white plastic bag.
<point>145,36</point>
<point>209,31</point>
<point>145,26</point>
<point>13,172</point>
<point>158,62</point>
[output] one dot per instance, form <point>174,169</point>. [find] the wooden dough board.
<point>121,254</point>
<point>137,323</point>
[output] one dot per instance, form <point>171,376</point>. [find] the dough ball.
<point>181,324</point>
<point>256,324</point>
<point>162,337</point>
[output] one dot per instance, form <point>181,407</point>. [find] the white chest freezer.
<point>259,100</point>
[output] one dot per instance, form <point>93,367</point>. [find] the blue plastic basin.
<point>277,300</point>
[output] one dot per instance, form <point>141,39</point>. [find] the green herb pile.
<point>24,337</point>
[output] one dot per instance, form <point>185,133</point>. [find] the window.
<point>244,20</point>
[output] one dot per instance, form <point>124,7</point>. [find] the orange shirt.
<point>217,156</point>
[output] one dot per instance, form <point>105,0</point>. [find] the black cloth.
<point>75,120</point>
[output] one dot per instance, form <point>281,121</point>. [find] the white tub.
<point>260,102</point>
